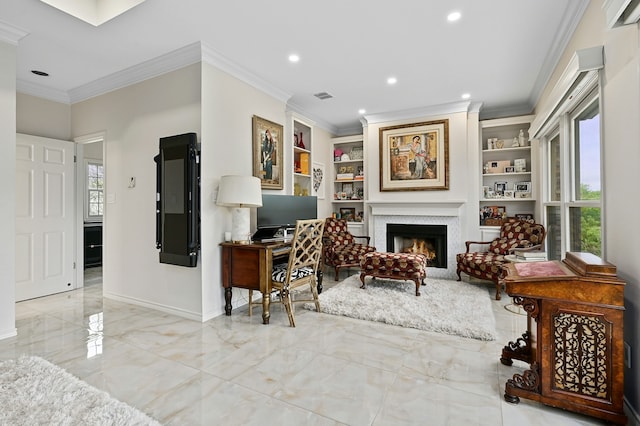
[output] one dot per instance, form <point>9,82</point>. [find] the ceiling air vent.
<point>323,95</point>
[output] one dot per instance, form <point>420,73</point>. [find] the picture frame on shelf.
<point>510,169</point>
<point>500,187</point>
<point>509,193</point>
<point>415,157</point>
<point>348,213</point>
<point>318,187</point>
<point>520,165</point>
<point>524,216</point>
<point>267,152</point>
<point>492,215</point>
<point>347,188</point>
<point>521,194</point>
<point>522,187</point>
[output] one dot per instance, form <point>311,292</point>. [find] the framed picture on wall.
<point>318,180</point>
<point>267,152</point>
<point>415,157</point>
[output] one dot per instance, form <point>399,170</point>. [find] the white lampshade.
<point>240,192</point>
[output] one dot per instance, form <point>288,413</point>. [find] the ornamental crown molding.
<point>11,34</point>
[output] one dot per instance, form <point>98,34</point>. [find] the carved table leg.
<point>266,300</point>
<point>523,384</point>
<point>417,287</point>
<point>520,349</point>
<point>227,301</point>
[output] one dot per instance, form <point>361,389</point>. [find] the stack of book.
<point>530,256</point>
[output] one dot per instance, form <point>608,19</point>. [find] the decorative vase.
<point>301,142</point>
<point>521,140</point>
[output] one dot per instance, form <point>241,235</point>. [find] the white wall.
<point>7,188</point>
<point>228,106</point>
<point>620,107</point>
<point>134,119</point>
<point>42,117</point>
<point>463,178</point>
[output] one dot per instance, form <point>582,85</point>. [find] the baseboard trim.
<point>9,333</point>
<point>632,415</point>
<point>195,316</point>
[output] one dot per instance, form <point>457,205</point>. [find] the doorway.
<point>91,206</point>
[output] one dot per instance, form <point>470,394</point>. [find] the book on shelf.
<point>344,176</point>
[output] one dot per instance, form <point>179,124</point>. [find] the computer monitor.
<point>282,211</point>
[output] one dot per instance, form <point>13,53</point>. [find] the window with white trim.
<point>572,199</point>
<point>94,206</point>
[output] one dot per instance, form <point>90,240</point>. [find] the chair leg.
<point>250,302</point>
<point>286,299</point>
<point>314,292</point>
<point>498,289</point>
<point>337,273</point>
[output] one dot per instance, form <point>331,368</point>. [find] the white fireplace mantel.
<point>431,208</point>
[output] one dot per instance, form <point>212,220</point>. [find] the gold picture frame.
<point>267,152</point>
<point>415,157</point>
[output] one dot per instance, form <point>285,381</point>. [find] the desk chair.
<point>304,260</point>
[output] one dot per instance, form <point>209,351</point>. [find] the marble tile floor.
<point>329,370</point>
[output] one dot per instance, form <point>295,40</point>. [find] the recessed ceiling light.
<point>466,96</point>
<point>392,80</point>
<point>362,111</point>
<point>453,16</point>
<point>40,73</point>
<point>294,58</point>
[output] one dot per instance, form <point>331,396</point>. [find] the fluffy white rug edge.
<point>444,306</point>
<point>34,391</point>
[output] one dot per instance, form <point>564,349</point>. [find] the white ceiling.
<point>502,52</point>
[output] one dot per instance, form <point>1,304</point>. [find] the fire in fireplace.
<point>430,240</point>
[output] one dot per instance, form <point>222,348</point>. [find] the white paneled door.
<point>45,216</point>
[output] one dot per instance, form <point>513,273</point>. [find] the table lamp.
<point>240,193</point>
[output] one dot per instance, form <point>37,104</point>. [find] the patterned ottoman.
<point>399,266</point>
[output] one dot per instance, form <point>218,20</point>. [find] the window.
<point>572,197</point>
<point>94,206</point>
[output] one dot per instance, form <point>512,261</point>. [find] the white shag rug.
<point>36,392</point>
<point>444,306</point>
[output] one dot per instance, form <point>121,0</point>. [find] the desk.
<point>249,266</point>
<point>575,349</point>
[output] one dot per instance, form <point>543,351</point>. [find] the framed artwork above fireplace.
<point>415,157</point>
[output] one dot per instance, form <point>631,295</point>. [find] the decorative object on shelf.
<point>497,166</point>
<point>267,153</point>
<point>304,163</point>
<point>522,194</point>
<point>344,157</point>
<point>337,154</point>
<point>500,187</point>
<point>318,180</point>
<point>520,165</point>
<point>521,139</point>
<point>524,216</point>
<point>492,215</point>
<point>415,156</point>
<point>510,169</point>
<point>301,142</point>
<point>348,188</point>
<point>522,186</point>
<point>499,144</point>
<point>240,193</point>
<point>508,193</point>
<point>515,143</point>
<point>348,213</point>
<point>356,153</point>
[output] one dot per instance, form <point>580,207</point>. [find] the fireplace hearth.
<point>430,240</point>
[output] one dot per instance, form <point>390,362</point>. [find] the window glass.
<point>585,230</point>
<point>554,169</point>
<point>587,154</point>
<point>554,233</point>
<point>95,190</point>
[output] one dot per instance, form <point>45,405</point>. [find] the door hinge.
<point>74,265</point>
<point>75,158</point>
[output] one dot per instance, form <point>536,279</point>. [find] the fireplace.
<point>430,240</point>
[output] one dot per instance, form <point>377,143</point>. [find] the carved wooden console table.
<point>574,340</point>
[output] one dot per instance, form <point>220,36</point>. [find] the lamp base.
<point>240,225</point>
